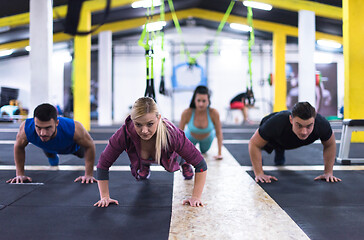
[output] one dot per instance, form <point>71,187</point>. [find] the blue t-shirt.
<point>62,143</point>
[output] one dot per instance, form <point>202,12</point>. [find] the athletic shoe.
<point>54,161</point>
<point>144,172</point>
<point>187,171</point>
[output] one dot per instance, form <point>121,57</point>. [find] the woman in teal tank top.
<point>203,123</point>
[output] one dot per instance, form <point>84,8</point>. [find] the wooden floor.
<point>235,207</point>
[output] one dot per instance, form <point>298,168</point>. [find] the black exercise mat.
<point>305,155</point>
<point>35,156</point>
<point>8,136</point>
<point>10,193</point>
<point>101,135</point>
<point>10,125</point>
<point>61,209</point>
<point>322,210</point>
<point>62,191</point>
<point>247,135</point>
<point>75,223</point>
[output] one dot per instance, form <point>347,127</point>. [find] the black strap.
<point>162,89</point>
<point>249,99</point>
<point>149,91</point>
<point>73,17</point>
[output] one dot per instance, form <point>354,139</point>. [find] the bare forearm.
<point>103,188</point>
<point>329,154</point>
<point>219,144</point>
<point>89,161</point>
<point>200,180</point>
<point>256,159</point>
<point>19,159</point>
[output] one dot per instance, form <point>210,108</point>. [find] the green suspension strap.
<point>193,60</point>
<point>223,21</point>
<point>177,26</point>
<point>148,46</point>
<point>162,89</point>
<point>249,84</point>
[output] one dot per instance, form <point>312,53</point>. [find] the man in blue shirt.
<point>54,136</point>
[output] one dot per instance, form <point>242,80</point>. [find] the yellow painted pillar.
<point>82,82</point>
<point>353,33</point>
<point>279,75</point>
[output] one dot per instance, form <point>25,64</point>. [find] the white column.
<point>56,88</point>
<point>41,44</point>
<point>306,65</point>
<point>119,92</point>
<point>105,77</point>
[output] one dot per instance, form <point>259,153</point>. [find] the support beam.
<point>279,75</point>
<point>320,9</point>
<point>61,12</point>
<point>105,79</point>
<point>306,50</point>
<point>185,14</point>
<point>41,43</point>
<point>353,18</point>
<point>82,82</point>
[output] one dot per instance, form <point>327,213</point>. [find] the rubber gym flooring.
<point>295,207</point>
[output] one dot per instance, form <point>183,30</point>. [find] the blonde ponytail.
<point>161,139</point>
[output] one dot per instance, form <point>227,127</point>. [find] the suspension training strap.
<point>148,46</point>
<point>162,89</point>
<point>250,44</point>
<point>193,60</point>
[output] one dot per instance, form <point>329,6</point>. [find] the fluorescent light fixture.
<point>258,5</point>
<point>328,43</point>
<point>145,4</point>
<point>155,26</point>
<point>240,27</point>
<point>6,52</point>
<point>27,48</point>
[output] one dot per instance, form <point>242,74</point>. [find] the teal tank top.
<point>62,143</point>
<point>194,129</point>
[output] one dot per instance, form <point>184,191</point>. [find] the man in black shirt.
<point>288,130</point>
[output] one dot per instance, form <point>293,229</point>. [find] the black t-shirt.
<point>238,98</point>
<point>277,130</point>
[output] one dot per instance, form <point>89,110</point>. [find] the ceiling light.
<point>6,52</point>
<point>328,43</point>
<point>145,3</point>
<point>155,26</point>
<point>240,27</point>
<point>258,5</point>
